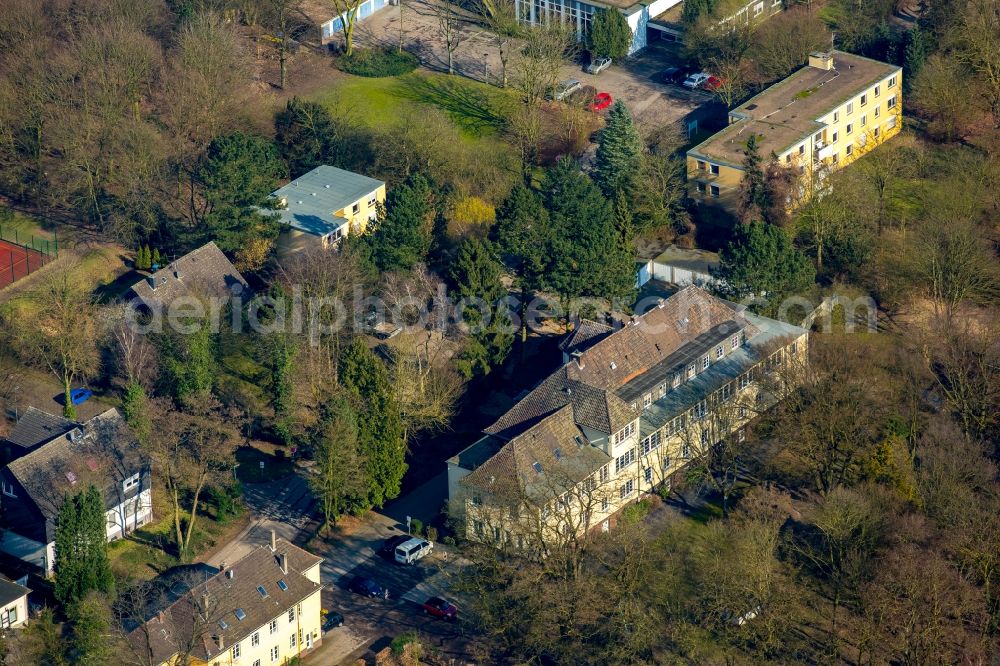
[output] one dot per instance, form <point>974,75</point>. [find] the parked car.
<point>441,608</point>
<point>388,547</point>
<point>597,65</point>
<point>79,396</point>
<point>695,80</point>
<point>564,89</point>
<point>332,621</point>
<point>412,550</point>
<point>712,83</point>
<point>601,101</point>
<point>367,587</point>
<point>675,75</point>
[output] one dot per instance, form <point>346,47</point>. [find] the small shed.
<point>679,266</point>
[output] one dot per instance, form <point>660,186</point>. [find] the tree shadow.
<point>471,109</point>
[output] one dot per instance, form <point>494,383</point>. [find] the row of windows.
<point>625,433</point>
<point>624,460</point>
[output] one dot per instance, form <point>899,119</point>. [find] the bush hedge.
<point>377,63</point>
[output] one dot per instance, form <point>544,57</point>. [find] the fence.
<point>21,254</point>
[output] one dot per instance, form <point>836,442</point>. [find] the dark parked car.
<point>332,621</point>
<point>79,396</point>
<point>438,607</point>
<point>388,547</point>
<point>367,587</point>
<point>675,75</point>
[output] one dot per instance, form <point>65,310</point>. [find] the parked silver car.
<point>597,65</point>
<point>565,89</point>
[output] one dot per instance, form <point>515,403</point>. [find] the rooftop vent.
<point>614,365</point>
<point>821,60</point>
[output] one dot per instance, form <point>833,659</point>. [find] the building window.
<point>835,158</point>
<point>700,409</point>
<point>256,662</point>
<point>877,91</point>
<point>875,133</point>
<point>274,653</point>
<point>685,450</point>
<point>651,443</point>
<point>647,400</point>
<point>714,168</point>
<point>744,380</point>
<point>291,641</point>
<point>864,100</point>
<point>675,425</point>
<point>743,411</point>
<point>734,342</point>
<point>255,639</point>
<point>648,475</point>
<point>758,9</point>
<point>372,200</point>
<point>624,460</point>
<point>675,381</point>
<point>8,489</point>
<point>666,462</point>
<point>236,651</point>
<point>701,165</point>
<point>891,124</point>
<point>705,435</point>
<point>864,120</point>
<point>626,489</point>
<point>702,187</point>
<point>291,615</point>
<point>625,433</point>
<point>850,107</point>
<point>850,128</point>
<point>891,104</point>
<point>691,370</point>
<point>719,351</point>
<point>892,81</point>
<point>356,208</point>
<point>836,116</point>
<point>273,626</point>
<point>605,473</point>
<point>130,483</point>
<point>788,158</point>
<point>725,393</point>
<point>834,140</point>
<point>605,505</point>
<point>714,191</point>
<point>878,112</point>
<point>802,149</point>
<point>705,361</point>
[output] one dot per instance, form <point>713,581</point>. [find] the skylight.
<point>222,623</point>
<point>558,453</point>
<point>263,592</point>
<point>241,614</point>
<point>283,585</point>
<point>538,467</point>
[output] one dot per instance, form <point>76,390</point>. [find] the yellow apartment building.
<point>628,409</point>
<point>324,205</point>
<point>822,117</point>
<point>264,610</point>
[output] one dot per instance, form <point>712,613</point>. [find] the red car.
<point>438,607</point>
<point>601,102</point>
<point>713,83</point>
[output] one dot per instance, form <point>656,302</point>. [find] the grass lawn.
<point>97,267</point>
<point>478,110</point>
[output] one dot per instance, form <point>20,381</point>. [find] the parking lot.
<point>634,81</point>
<point>371,623</point>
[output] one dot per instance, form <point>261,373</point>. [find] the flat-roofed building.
<point>824,116</point>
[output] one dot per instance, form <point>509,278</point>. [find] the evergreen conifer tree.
<point>402,237</point>
<point>619,152</point>
<point>477,274</point>
<point>82,563</point>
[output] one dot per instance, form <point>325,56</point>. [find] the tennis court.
<point>17,261</point>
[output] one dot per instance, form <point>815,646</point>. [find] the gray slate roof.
<point>313,198</point>
<point>202,272</point>
<point>11,591</point>
<point>190,616</point>
<point>37,427</point>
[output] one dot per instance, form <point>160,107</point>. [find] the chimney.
<point>177,272</point>
<point>578,355</point>
<point>821,60</point>
<point>162,616</point>
<point>222,642</point>
<point>283,559</point>
<point>274,539</point>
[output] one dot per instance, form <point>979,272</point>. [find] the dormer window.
<point>692,369</point>
<point>705,361</point>
<point>719,351</point>
<point>8,489</point>
<point>647,400</point>
<point>676,381</point>
<point>130,483</point>
<point>734,342</point>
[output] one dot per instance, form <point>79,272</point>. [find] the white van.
<point>410,551</point>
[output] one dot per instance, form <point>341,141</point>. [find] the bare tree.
<point>450,27</point>
<point>500,18</point>
<point>536,70</point>
<point>277,16</point>
<point>347,11</point>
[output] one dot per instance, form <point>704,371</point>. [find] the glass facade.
<point>544,12</point>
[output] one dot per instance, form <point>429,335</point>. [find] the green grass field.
<point>478,110</point>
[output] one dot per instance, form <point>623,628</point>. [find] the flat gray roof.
<point>701,261</point>
<point>313,198</point>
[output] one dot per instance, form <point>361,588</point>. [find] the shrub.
<point>400,642</point>
<point>377,63</point>
<point>416,527</point>
<point>633,513</point>
<point>432,534</point>
<point>448,541</point>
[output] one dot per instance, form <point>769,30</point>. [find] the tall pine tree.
<point>380,429</point>
<point>588,257</point>
<point>619,153</point>
<point>82,563</point>
<point>402,237</point>
<point>522,233</point>
<point>478,274</point>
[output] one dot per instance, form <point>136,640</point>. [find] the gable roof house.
<point>202,273</point>
<point>13,603</point>
<point>33,429</point>
<point>264,609</point>
<point>628,409</point>
<point>103,452</point>
<point>324,205</point>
